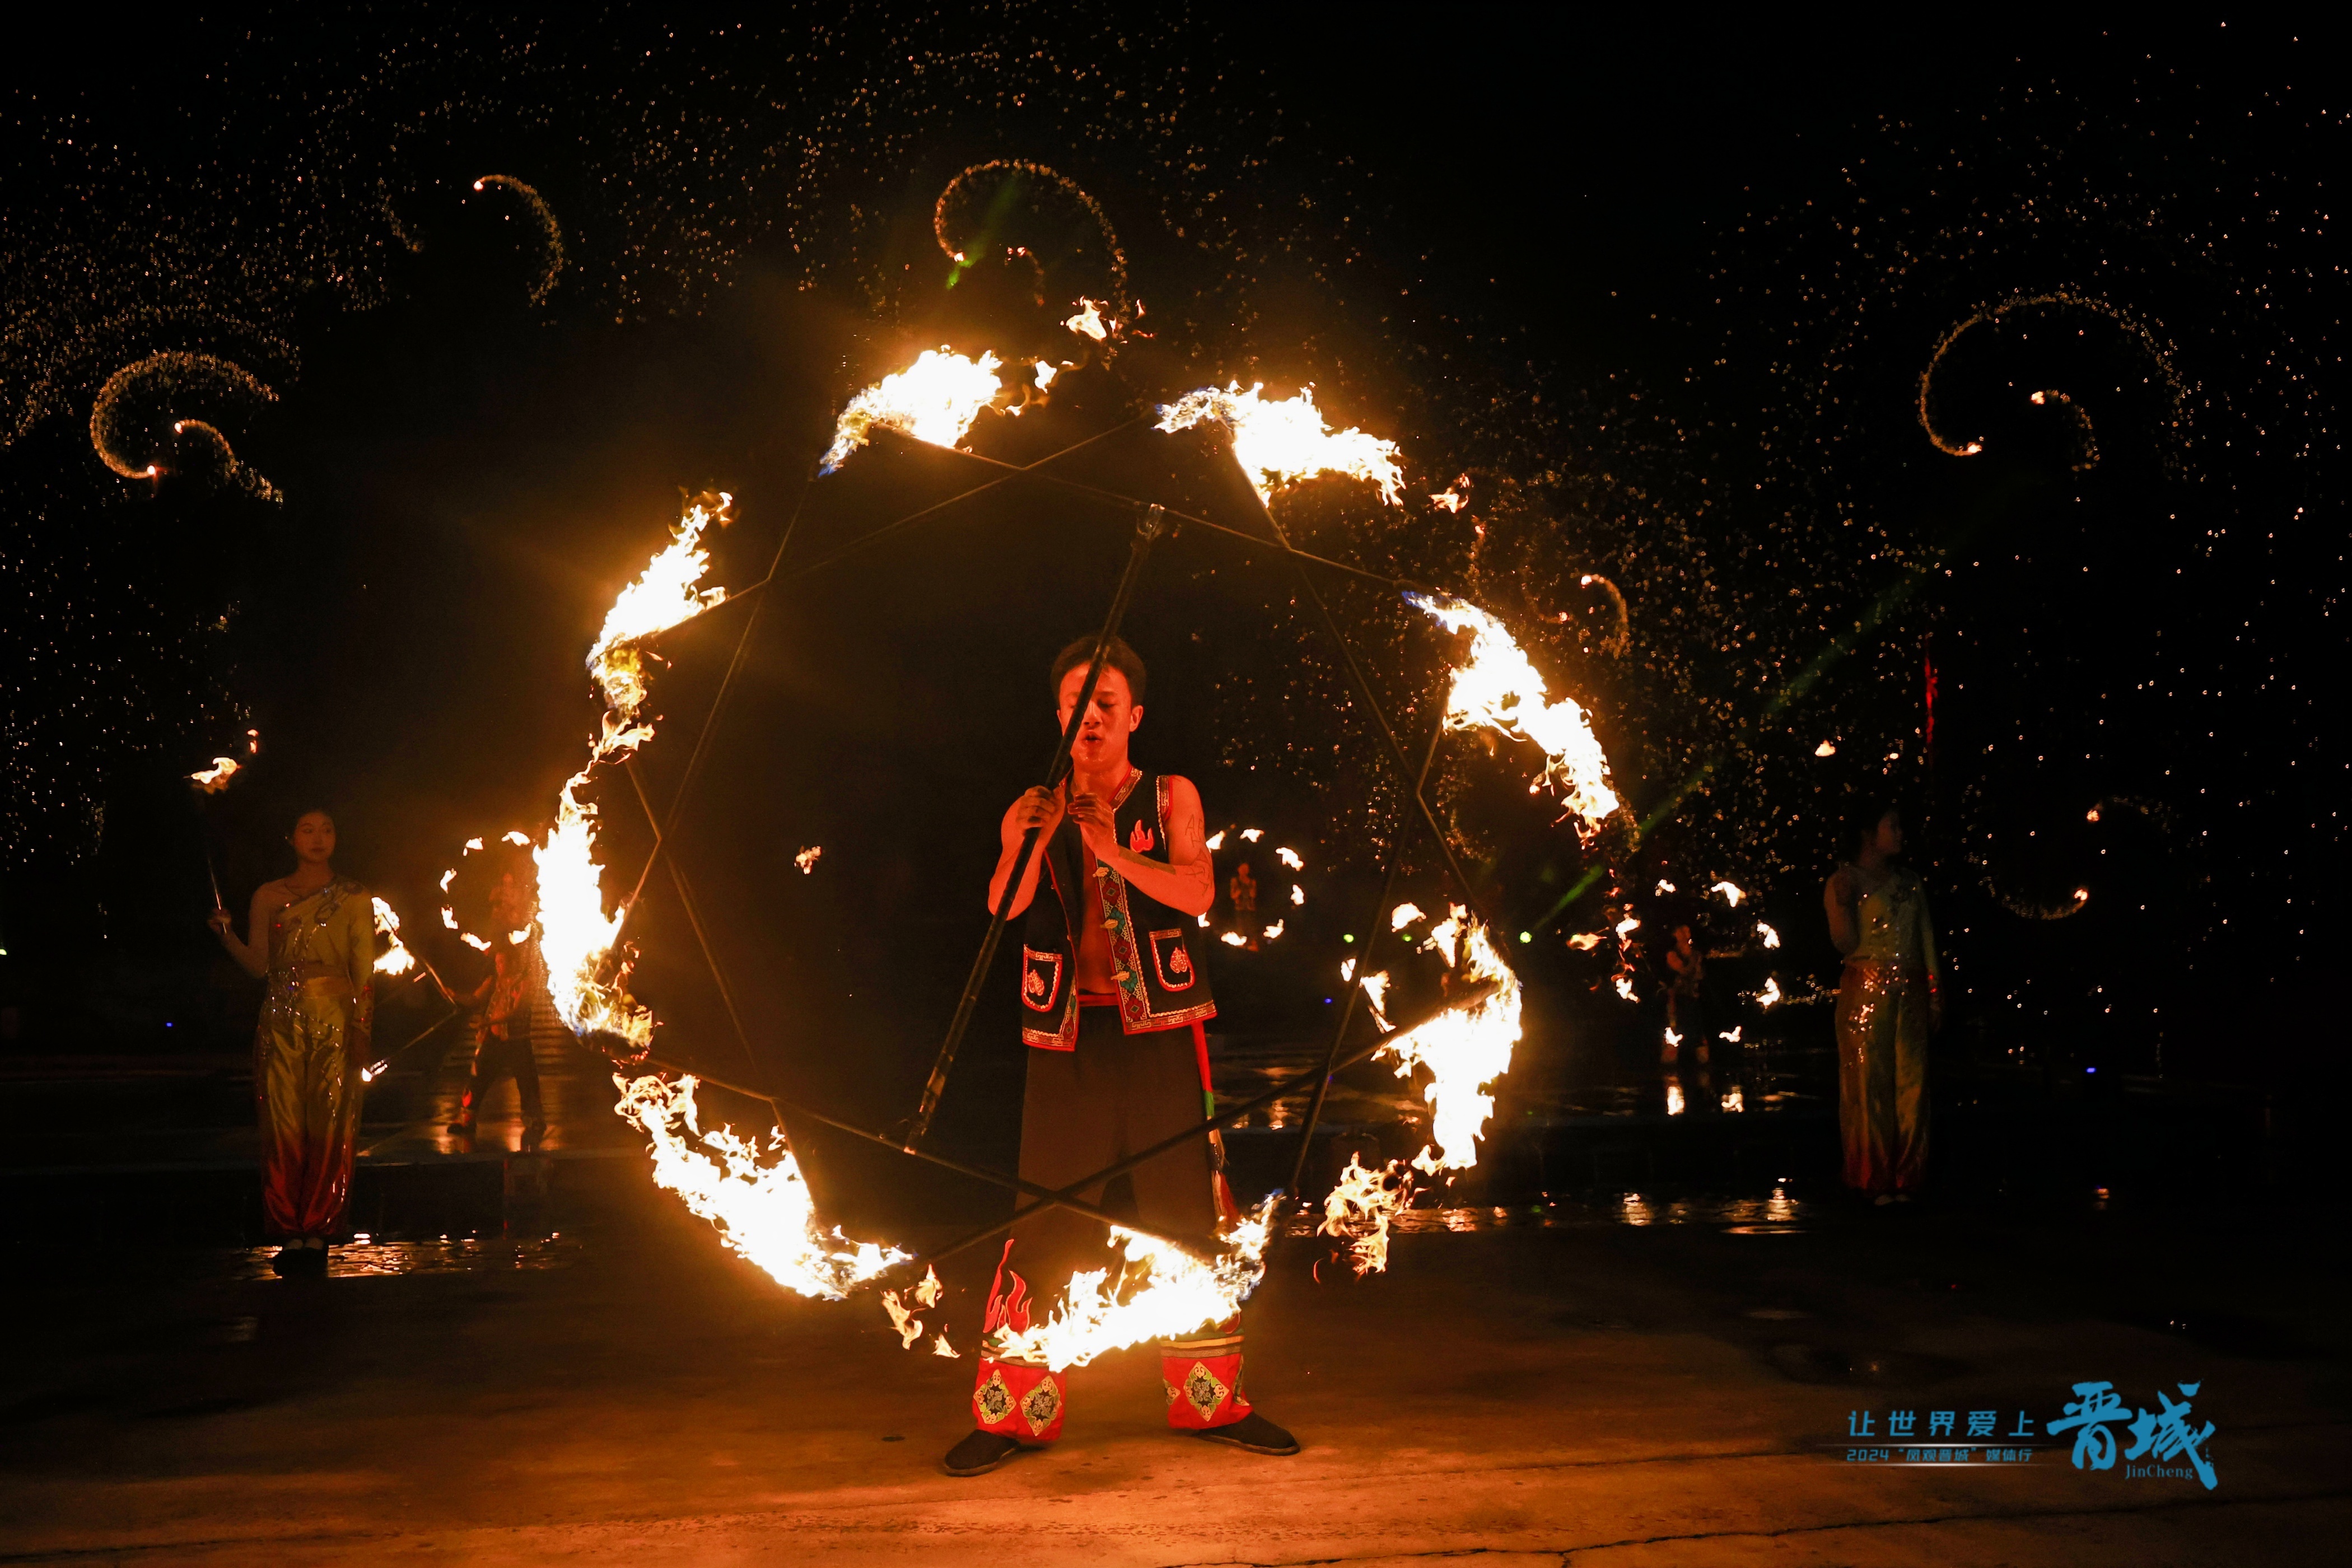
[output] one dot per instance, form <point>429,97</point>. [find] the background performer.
<point>311,936</point>
<point>516,1011</point>
<point>1113,1000</point>
<point>1890,1003</point>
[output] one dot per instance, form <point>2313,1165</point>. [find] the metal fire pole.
<point>1148,524</point>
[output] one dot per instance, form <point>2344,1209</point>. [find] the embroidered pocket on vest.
<point>1040,979</point>
<point>1174,965</point>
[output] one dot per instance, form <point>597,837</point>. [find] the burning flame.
<point>1585,942</point>
<point>1088,321</point>
<point>807,858</point>
<point>518,837</point>
<point>1826,748</point>
<point>1771,938</point>
<point>1279,443</point>
<point>905,1324</point>
<point>1454,496</point>
<point>1290,858</point>
<point>1215,840</point>
<point>575,934</point>
<point>1500,689</point>
<point>1464,1049</point>
<point>1270,933</point>
<point>755,1196</point>
<point>1665,886</point>
<point>1674,1098</point>
<point>396,959</point>
<point>1404,915</point>
<point>935,399</point>
<point>1297,895</point>
<point>1731,895</point>
<point>215,779</point>
<point>1253,834</point>
<point>1771,994</point>
<point>1358,1211</point>
<point>1155,1291</point>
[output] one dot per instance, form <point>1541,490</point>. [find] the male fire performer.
<point>1113,1000</point>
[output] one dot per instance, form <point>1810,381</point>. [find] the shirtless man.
<point>1113,1001</point>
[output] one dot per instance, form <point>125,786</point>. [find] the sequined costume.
<point>1883,1022</point>
<point>307,1052</point>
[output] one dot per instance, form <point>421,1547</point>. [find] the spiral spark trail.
<point>2159,354</point>
<point>990,187</point>
<point>142,423</point>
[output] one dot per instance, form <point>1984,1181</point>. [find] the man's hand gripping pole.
<point>1148,524</point>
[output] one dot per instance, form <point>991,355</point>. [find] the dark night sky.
<point>1665,290</point>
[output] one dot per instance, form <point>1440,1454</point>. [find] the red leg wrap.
<point>1204,1379</point>
<point>1018,1399</point>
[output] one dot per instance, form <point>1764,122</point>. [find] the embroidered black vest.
<point>1160,983</point>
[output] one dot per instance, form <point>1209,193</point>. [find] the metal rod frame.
<point>934,1087</point>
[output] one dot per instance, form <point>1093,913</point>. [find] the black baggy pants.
<point>1085,1109</point>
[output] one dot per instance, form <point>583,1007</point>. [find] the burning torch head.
<point>313,838</point>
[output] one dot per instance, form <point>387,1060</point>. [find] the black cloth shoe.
<point>1252,1432</point>
<point>978,1453</point>
<point>289,1261</point>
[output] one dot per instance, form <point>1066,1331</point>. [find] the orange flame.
<point>215,779</point>
<point>576,935</point>
<point>396,959</point>
<point>1499,689</point>
<point>754,1195</point>
<point>935,399</point>
<point>1279,443</point>
<point>1151,1291</point>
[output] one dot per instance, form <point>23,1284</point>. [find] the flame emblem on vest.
<point>1033,984</point>
<point>1179,963</point>
<point>1138,838</point>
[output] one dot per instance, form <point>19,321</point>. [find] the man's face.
<point>1110,718</point>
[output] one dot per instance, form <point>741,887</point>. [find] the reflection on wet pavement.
<point>1777,1215</point>
<point>363,1257</point>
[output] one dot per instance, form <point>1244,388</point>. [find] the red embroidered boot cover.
<point>1014,1396</point>
<point>1204,1379</point>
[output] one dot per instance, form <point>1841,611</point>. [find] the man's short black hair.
<point>1121,657</point>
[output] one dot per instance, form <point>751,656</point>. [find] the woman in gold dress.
<point>1890,1004</point>
<point>311,936</point>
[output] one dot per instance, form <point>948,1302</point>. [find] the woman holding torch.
<point>311,936</point>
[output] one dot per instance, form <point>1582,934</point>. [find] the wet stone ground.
<point>1652,1376</point>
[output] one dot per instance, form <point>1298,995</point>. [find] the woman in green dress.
<point>1890,1004</point>
<point>311,936</point>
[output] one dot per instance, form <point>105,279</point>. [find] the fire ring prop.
<point>755,1195</point>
